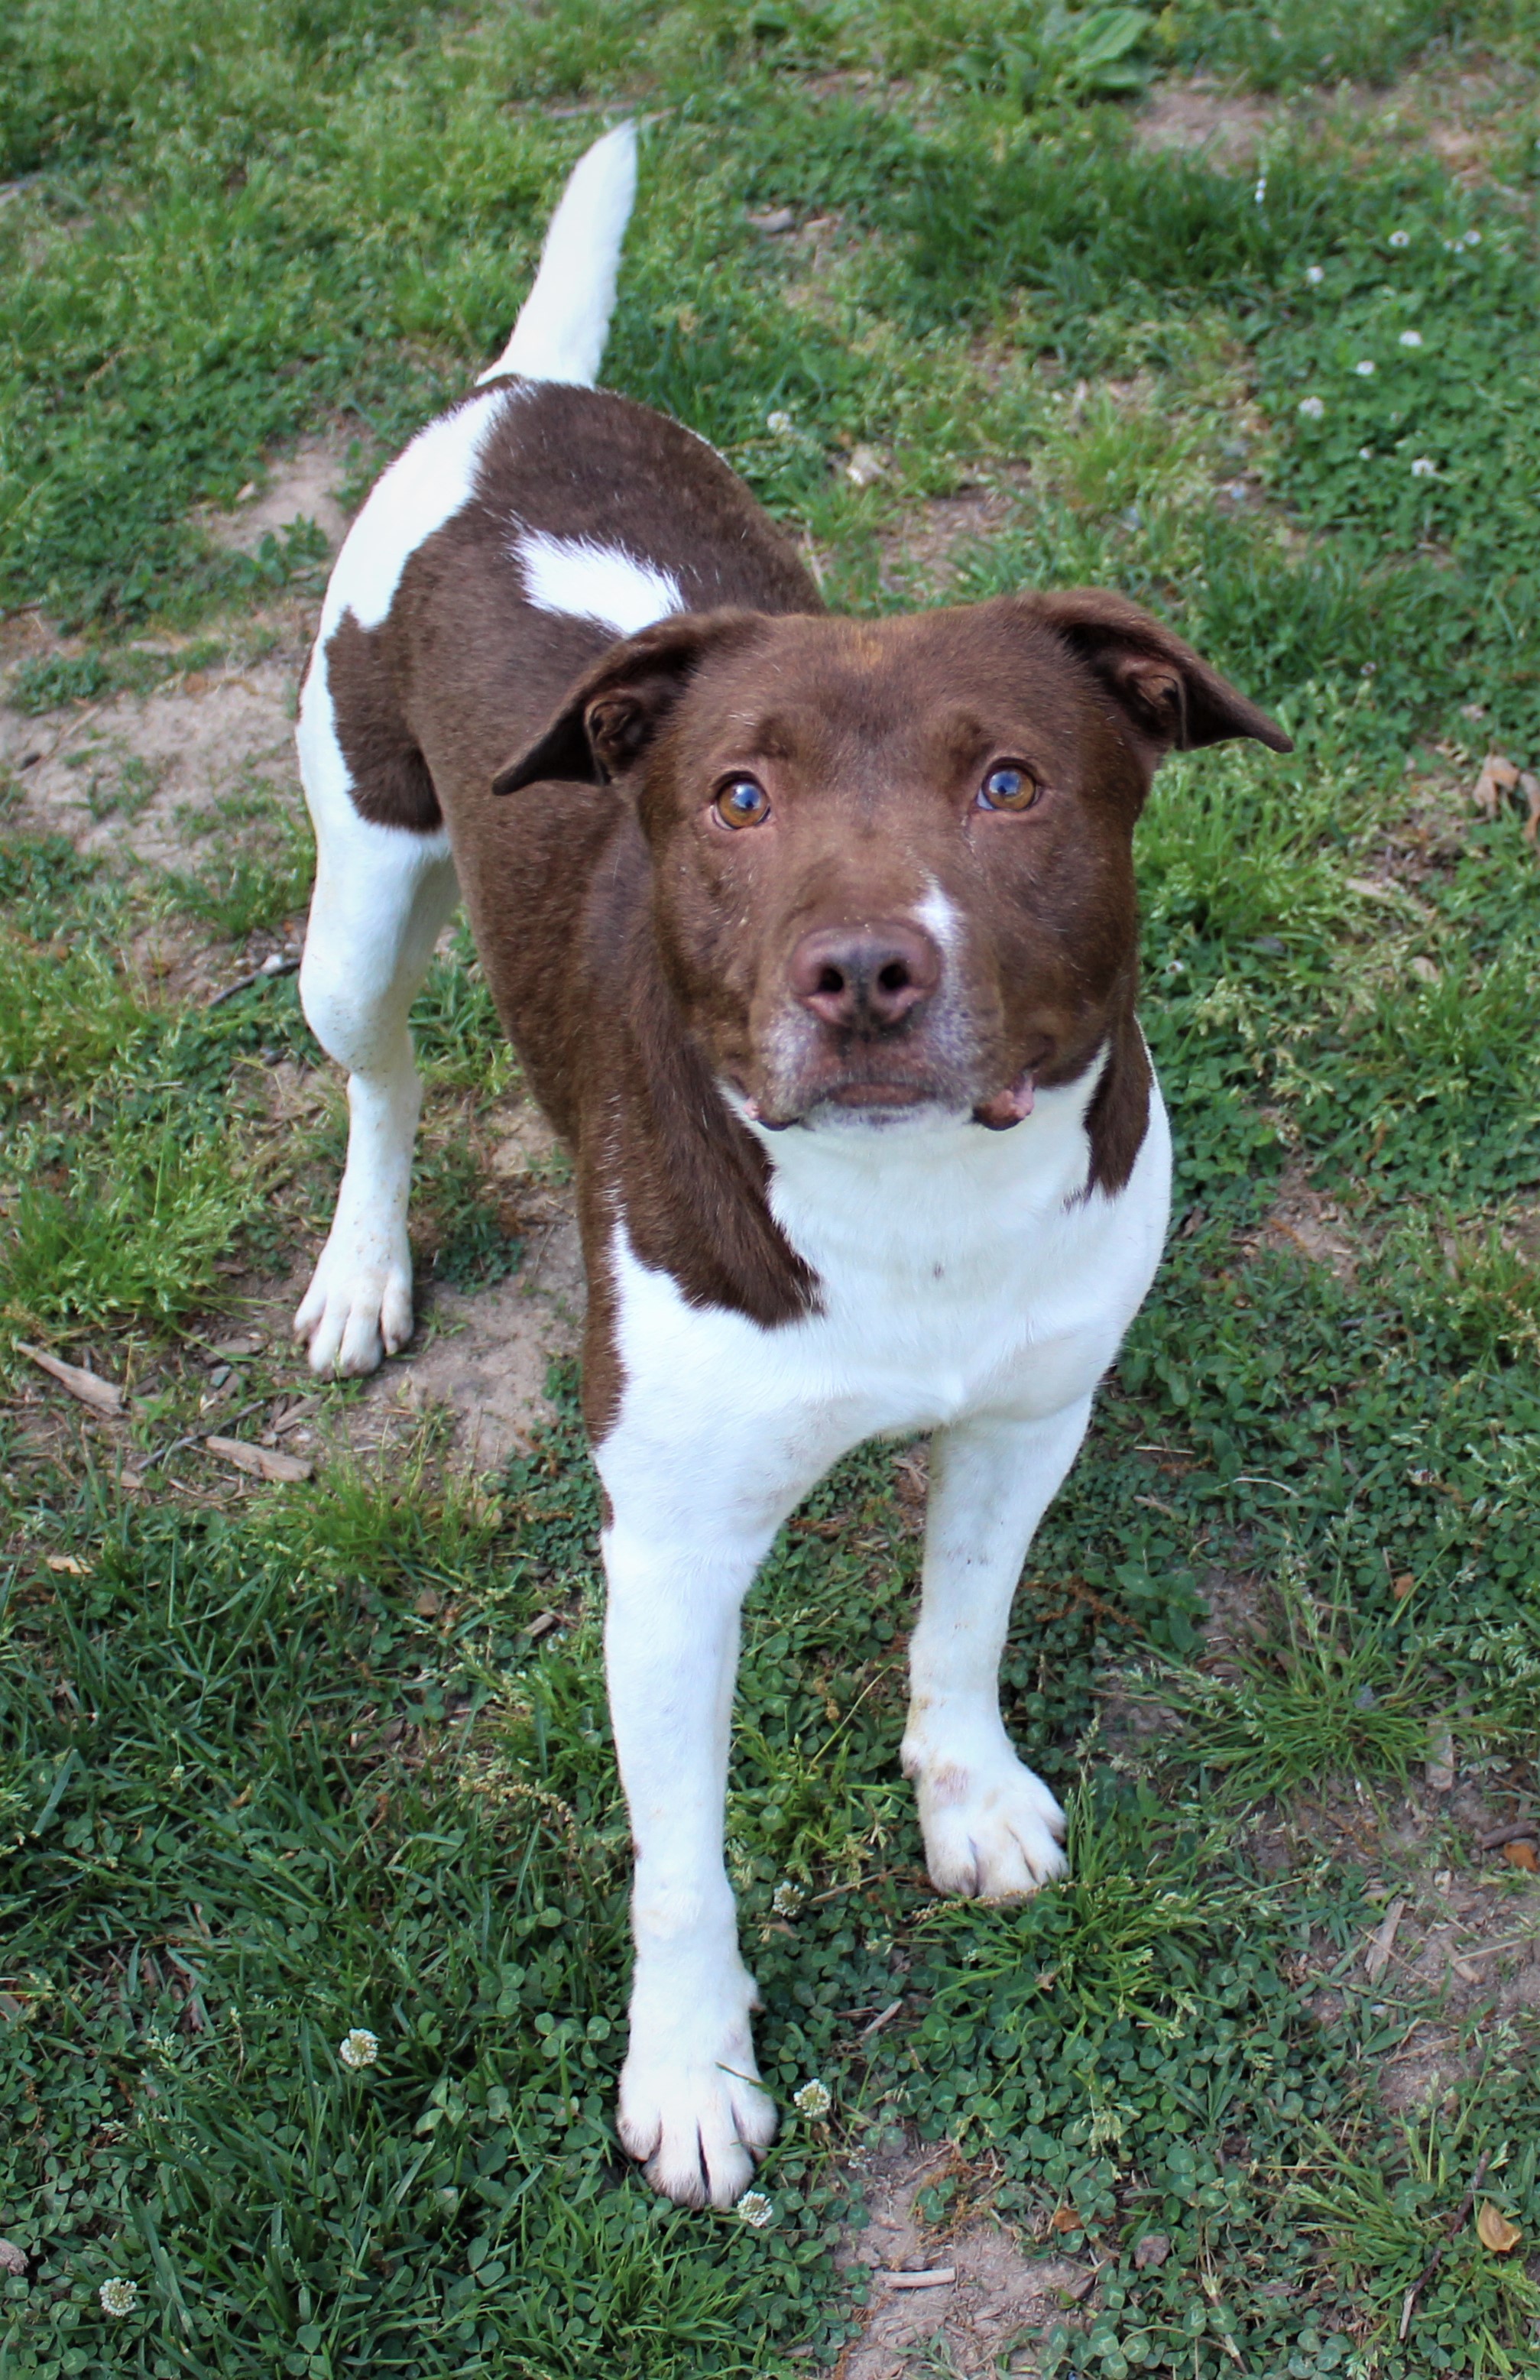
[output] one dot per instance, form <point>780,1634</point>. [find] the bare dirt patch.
<point>922,553</point>
<point>302,486</point>
<point>113,774</point>
<point>987,2318</point>
<point>483,1362</point>
<point>1197,118</point>
<point>1303,1220</point>
<point>1465,119</point>
<point>480,1359</point>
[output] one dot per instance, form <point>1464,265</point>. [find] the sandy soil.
<point>1003,2293</point>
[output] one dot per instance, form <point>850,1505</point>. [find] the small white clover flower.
<point>786,1900</point>
<point>1365,371</point>
<point>118,2296</point>
<point>1312,408</point>
<point>1261,190</point>
<point>1410,339</point>
<point>755,2209</point>
<point>813,2101</point>
<point>358,2047</point>
<point>1315,274</point>
<point>779,425</point>
<point>1400,239</point>
<point>1365,454</point>
<point>1424,467</point>
<point>1473,239</point>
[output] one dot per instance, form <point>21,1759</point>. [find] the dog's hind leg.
<point>382,894</point>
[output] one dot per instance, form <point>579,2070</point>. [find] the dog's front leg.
<point>990,1826</point>
<point>690,2105</point>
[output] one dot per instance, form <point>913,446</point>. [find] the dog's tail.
<point>564,321</point>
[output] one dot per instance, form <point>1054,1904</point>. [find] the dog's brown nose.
<point>865,979</point>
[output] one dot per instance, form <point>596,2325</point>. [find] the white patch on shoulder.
<point>595,582</point>
<point>433,480</point>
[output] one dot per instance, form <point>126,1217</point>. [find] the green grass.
<point>275,1764</point>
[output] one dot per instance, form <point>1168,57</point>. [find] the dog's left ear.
<point>621,704</point>
<point>1171,699</point>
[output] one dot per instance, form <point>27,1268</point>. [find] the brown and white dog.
<point>818,940</point>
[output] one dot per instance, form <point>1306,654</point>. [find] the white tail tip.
<point>564,321</point>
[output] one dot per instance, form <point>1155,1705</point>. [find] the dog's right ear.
<point>617,709</point>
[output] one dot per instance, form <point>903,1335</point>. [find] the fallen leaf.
<point>262,1461</point>
<point>1424,970</point>
<point>69,1565</point>
<point>1528,785</point>
<point>1439,1770</point>
<point>105,1396</point>
<point>1403,1585</point>
<point>428,1603</point>
<point>1498,776</point>
<point>12,2258</point>
<point>294,1417</point>
<point>1151,2251</point>
<point>245,1342</point>
<point>776,219</point>
<point>1522,1854</point>
<point>1378,1956</point>
<point>1066,2219</point>
<point>864,467</point>
<point>936,2279</point>
<point>1495,1837</point>
<point>1495,2232</point>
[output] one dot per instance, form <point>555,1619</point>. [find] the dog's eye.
<point>743,802</point>
<point>1007,788</point>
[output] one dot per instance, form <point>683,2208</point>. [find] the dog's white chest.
<point>961,1272</point>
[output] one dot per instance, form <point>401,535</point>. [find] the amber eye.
<point>743,802</point>
<point>1008,787</point>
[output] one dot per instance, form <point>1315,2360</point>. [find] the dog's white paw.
<point>692,2112</point>
<point>358,1307</point>
<point>993,1831</point>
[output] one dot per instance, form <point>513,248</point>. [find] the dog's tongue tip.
<point>1009,1107</point>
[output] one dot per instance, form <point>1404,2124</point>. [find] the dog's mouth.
<point>884,1096</point>
<point>880,1099</point>
<point>880,1094</point>
<point>861,1097</point>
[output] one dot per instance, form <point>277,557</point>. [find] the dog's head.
<point>892,860</point>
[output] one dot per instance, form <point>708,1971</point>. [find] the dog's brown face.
<point>893,861</point>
